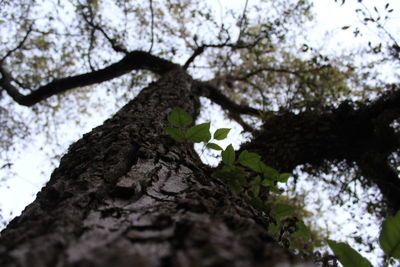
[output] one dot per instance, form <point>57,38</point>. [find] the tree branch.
<point>207,89</point>
<point>152,26</point>
<point>196,53</point>
<point>385,103</point>
<point>132,61</point>
<point>117,47</point>
<point>90,50</point>
<point>242,20</point>
<point>257,71</point>
<point>237,45</point>
<point>20,44</point>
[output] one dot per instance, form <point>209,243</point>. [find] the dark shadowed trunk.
<point>356,134</point>
<point>127,195</point>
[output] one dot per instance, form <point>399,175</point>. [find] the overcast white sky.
<point>32,168</point>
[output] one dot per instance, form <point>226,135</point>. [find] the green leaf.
<point>179,118</point>
<point>273,229</point>
<point>275,189</point>
<point>199,133</point>
<point>230,173</point>
<point>302,230</point>
<point>236,186</point>
<point>257,180</point>
<point>214,146</point>
<point>284,177</point>
<point>228,155</point>
<point>221,134</point>
<point>389,238</point>
<point>267,182</point>
<point>270,173</point>
<point>259,204</point>
<point>281,210</point>
<point>256,190</point>
<point>250,160</point>
<point>176,134</point>
<point>347,256</point>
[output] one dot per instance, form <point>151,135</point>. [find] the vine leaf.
<point>270,173</point>
<point>214,146</point>
<point>179,118</point>
<point>199,133</point>
<point>267,182</point>
<point>176,134</point>
<point>281,210</point>
<point>273,228</point>
<point>250,160</point>
<point>255,188</point>
<point>347,256</point>
<point>275,189</point>
<point>228,155</point>
<point>302,230</point>
<point>259,204</point>
<point>231,173</point>
<point>284,177</point>
<point>236,186</point>
<point>389,238</point>
<point>221,133</point>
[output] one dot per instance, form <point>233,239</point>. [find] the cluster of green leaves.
<point>389,241</point>
<point>249,176</point>
<point>180,119</point>
<point>246,174</point>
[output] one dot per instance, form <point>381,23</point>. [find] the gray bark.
<point>128,195</point>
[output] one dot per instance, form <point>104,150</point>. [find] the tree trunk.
<point>128,195</point>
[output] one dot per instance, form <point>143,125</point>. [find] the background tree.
<point>249,63</point>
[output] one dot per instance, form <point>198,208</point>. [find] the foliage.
<point>257,55</point>
<point>348,256</point>
<point>389,238</point>
<point>248,177</point>
<point>389,241</point>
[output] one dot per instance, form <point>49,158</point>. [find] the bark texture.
<point>127,195</point>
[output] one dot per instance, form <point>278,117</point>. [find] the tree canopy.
<point>330,118</point>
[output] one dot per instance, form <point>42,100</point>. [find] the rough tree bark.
<point>127,195</point>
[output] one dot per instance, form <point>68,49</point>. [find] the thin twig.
<point>152,26</point>
<point>20,44</point>
<point>90,49</point>
<point>117,47</point>
<point>199,50</point>
<point>241,21</point>
<point>196,53</point>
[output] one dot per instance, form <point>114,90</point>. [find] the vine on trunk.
<point>249,177</point>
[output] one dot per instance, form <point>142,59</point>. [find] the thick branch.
<point>133,61</point>
<point>375,167</point>
<point>387,102</point>
<point>234,110</point>
<point>355,134</point>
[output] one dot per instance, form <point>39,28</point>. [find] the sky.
<point>32,168</point>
